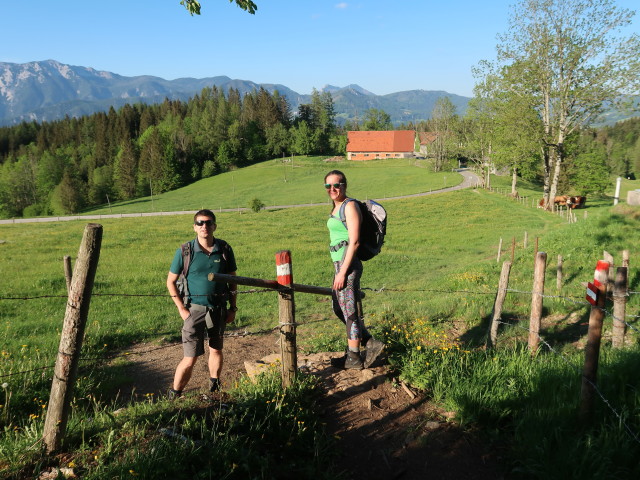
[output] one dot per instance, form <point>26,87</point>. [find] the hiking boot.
<point>338,362</point>
<point>353,361</point>
<point>373,351</point>
<point>174,394</point>
<point>215,385</point>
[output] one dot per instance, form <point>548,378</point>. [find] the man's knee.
<point>188,362</point>
<point>216,352</point>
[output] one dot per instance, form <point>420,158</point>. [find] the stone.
<point>633,197</point>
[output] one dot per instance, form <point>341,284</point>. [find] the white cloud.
<point>342,5</point>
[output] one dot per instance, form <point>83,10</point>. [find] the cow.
<point>558,200</point>
<point>577,201</point>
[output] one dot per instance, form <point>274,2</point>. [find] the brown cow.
<point>577,202</point>
<point>558,200</point>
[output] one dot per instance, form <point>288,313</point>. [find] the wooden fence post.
<point>66,260</point>
<point>497,307</point>
<point>536,301</point>
<point>625,263</point>
<point>619,307</point>
<point>75,320</point>
<point>559,273</point>
<point>594,336</point>
<point>625,258</point>
<point>499,250</point>
<point>513,249</point>
<point>286,307</point>
<point>611,274</point>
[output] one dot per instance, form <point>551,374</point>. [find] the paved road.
<point>470,179</point>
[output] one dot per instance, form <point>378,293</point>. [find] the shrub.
<point>256,205</point>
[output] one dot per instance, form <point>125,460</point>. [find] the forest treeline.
<point>63,167</point>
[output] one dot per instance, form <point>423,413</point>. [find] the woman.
<point>343,245</point>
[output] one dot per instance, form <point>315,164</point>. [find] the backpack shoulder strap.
<point>224,247</point>
<point>343,216</point>
<point>187,253</point>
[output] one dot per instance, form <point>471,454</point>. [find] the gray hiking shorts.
<point>194,329</point>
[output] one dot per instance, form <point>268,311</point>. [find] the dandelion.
<point>72,464</point>
<point>419,347</point>
<point>5,385</point>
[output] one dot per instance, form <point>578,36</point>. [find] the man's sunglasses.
<point>334,185</point>
<point>208,223</point>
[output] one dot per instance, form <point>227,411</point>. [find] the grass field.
<point>429,294</point>
<point>295,181</point>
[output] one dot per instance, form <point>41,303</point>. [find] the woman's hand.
<point>338,281</point>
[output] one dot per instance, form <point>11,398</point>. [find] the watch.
<point>233,309</point>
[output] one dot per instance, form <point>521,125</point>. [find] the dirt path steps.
<point>382,431</point>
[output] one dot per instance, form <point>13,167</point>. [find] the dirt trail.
<point>385,430</point>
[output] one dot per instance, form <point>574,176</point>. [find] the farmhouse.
<point>427,143</point>
<point>385,144</point>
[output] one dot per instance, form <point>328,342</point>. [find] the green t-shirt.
<point>337,233</point>
<point>201,290</point>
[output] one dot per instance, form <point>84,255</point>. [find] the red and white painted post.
<point>592,351</point>
<point>286,306</point>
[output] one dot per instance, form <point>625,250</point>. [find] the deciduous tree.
<point>444,123</point>
<point>375,119</point>
<point>194,7</point>
<point>568,58</point>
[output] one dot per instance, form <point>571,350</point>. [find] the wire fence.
<point>381,290</point>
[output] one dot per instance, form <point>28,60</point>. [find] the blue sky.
<point>384,46</point>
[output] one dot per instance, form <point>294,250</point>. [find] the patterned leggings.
<point>345,302</point>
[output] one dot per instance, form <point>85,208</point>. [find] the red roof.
<point>427,137</point>
<point>384,141</point>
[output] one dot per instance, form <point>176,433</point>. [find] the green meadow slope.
<point>429,294</point>
<point>292,181</point>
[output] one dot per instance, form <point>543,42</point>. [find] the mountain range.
<point>49,90</point>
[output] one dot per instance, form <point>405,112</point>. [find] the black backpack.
<point>187,253</point>
<point>373,227</point>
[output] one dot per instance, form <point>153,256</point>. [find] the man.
<point>204,306</point>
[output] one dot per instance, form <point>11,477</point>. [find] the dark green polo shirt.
<point>201,290</point>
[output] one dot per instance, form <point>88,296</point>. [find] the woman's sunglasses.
<point>208,223</point>
<point>334,185</point>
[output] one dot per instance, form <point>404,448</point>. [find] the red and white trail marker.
<point>600,278</point>
<point>592,294</point>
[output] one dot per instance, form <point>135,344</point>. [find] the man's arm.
<point>172,278</point>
